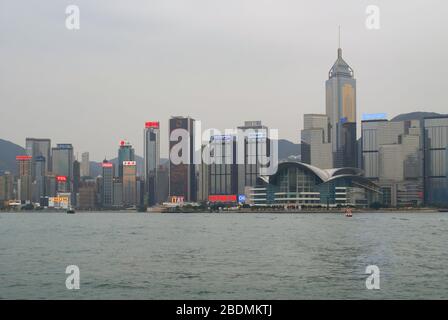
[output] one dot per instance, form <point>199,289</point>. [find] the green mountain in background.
<point>8,153</point>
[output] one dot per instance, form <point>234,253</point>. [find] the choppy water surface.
<point>223,256</point>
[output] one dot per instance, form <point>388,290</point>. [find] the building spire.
<point>339,43</point>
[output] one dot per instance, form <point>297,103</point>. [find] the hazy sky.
<point>219,61</point>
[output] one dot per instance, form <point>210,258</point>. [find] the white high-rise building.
<point>315,144</point>
<point>85,165</point>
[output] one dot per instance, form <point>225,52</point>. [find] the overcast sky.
<point>219,61</point>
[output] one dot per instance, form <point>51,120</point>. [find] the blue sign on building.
<point>241,198</point>
<point>374,116</point>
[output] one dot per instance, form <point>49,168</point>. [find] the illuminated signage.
<point>152,124</point>
<point>374,116</point>
<point>61,178</point>
<point>23,157</point>
<point>124,143</point>
<point>107,165</point>
<point>177,199</point>
<point>222,198</point>
<point>129,163</point>
<point>241,198</point>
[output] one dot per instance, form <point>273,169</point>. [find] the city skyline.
<point>245,65</point>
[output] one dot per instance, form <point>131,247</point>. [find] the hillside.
<point>8,153</point>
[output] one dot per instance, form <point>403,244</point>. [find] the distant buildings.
<point>62,157</point>
<point>300,185</point>
<point>316,146</point>
<point>391,156</point>
<point>85,165</point>
<point>87,195</point>
<point>183,179</point>
<point>25,179</point>
<point>6,188</point>
<point>129,183</point>
<point>107,199</point>
<point>39,148</point>
<point>435,163</point>
<point>256,147</point>
<point>125,153</point>
<point>152,160</point>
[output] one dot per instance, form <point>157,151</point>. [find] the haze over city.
<point>220,62</point>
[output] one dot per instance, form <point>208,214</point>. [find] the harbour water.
<point>223,256</point>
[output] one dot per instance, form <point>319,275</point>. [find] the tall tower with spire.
<point>341,112</point>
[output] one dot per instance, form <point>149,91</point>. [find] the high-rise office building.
<point>62,157</point>
<point>118,193</point>
<point>39,148</point>
<point>152,159</point>
<point>341,112</point>
<point>129,183</point>
<point>87,195</point>
<point>125,153</point>
<point>85,165</point>
<point>391,156</point>
<point>39,177</point>
<point>435,168</point>
<point>107,184</point>
<point>25,180</point>
<point>183,179</point>
<point>256,147</point>
<point>223,170</point>
<point>6,187</point>
<point>316,148</point>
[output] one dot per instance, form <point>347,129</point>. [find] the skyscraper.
<point>435,168</point>
<point>129,183</point>
<point>256,147</point>
<point>39,177</point>
<point>223,171</point>
<point>341,112</point>
<point>183,175</point>
<point>39,147</point>
<point>107,200</point>
<point>152,160</point>
<point>24,184</point>
<point>125,153</point>
<point>85,165</point>
<point>63,159</point>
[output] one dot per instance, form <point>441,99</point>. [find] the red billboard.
<point>152,124</point>
<point>61,178</point>
<point>107,165</point>
<point>23,157</point>
<point>222,198</point>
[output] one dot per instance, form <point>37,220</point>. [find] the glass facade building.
<point>435,168</point>
<point>341,112</point>
<point>152,160</point>
<point>300,184</point>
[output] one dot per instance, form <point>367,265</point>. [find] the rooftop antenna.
<point>339,42</point>
<point>339,38</point>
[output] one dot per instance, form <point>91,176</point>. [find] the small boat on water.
<point>443,210</point>
<point>348,212</point>
<point>70,210</point>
